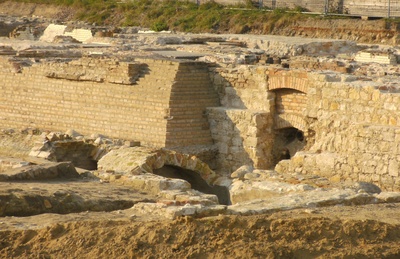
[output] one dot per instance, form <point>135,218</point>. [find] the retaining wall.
<point>372,8</point>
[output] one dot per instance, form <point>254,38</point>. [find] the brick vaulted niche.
<point>159,102</point>
<point>290,89</point>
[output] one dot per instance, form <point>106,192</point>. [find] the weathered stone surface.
<point>313,198</point>
<point>149,183</point>
<point>138,160</point>
<point>241,191</point>
<point>242,171</point>
<point>173,212</point>
<point>40,172</point>
<point>366,187</point>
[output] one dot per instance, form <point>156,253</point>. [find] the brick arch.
<point>288,120</point>
<point>185,161</point>
<point>142,160</point>
<point>296,82</point>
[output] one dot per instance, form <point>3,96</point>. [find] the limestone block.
<point>241,171</point>
<point>388,197</point>
<point>178,211</point>
<point>326,161</point>
<point>52,31</point>
<point>283,166</point>
<point>252,176</point>
<point>155,184</point>
<point>43,154</point>
<point>40,172</point>
<point>250,141</point>
<point>195,199</point>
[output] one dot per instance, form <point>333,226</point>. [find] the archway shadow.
<point>195,181</point>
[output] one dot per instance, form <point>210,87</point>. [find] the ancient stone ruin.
<point>169,113</point>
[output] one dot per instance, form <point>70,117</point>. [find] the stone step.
<point>192,91</point>
<point>194,98</point>
<point>192,82</point>
<point>200,103</point>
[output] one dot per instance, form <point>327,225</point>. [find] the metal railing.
<point>369,8</point>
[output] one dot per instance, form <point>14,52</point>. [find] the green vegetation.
<point>181,15</point>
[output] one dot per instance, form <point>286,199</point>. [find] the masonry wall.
<point>242,128</point>
<point>242,87</point>
<point>290,101</point>
<point>357,132</point>
<point>191,93</point>
<point>351,126</point>
<point>128,101</point>
<point>243,137</point>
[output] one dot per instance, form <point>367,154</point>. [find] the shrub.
<point>159,26</point>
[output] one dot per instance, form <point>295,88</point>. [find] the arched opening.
<point>288,141</point>
<point>79,153</point>
<point>196,182</point>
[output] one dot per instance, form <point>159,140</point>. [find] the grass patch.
<point>182,16</point>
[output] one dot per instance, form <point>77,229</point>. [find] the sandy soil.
<point>336,232</point>
<point>37,10</point>
<point>85,217</point>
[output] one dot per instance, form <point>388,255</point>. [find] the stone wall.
<point>141,100</point>
<point>242,129</point>
<point>242,87</point>
<point>374,8</point>
<point>357,132</point>
<point>350,124</point>
<point>243,137</point>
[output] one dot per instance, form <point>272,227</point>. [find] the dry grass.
<point>178,15</point>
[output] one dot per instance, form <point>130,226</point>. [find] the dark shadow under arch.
<point>196,182</point>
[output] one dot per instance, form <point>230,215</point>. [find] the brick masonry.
<point>147,100</point>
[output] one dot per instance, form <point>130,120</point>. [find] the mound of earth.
<point>336,232</point>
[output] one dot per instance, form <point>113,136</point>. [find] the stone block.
<point>393,168</point>
<point>130,143</point>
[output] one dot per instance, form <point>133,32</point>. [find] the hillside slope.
<point>212,18</point>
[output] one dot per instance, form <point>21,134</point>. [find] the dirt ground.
<point>85,217</point>
<point>371,231</point>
